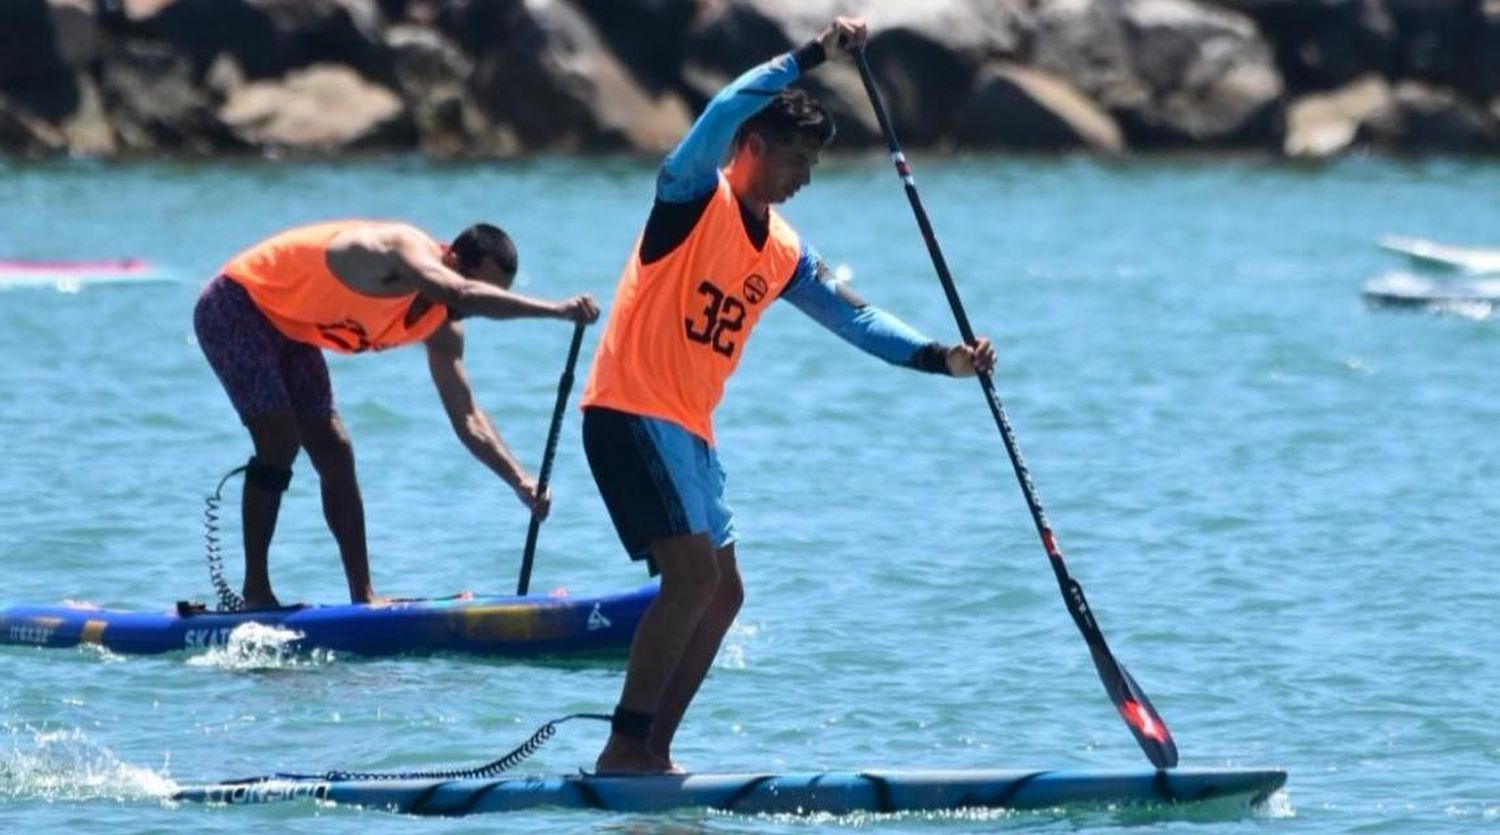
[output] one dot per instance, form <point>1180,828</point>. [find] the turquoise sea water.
<point>1280,503</point>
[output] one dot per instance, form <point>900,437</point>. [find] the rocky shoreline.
<point>502,78</point>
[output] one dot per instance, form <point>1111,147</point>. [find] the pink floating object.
<point>33,266</point>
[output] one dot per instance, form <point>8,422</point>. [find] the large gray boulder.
<point>87,127</point>
<point>648,36</point>
<point>541,68</point>
<point>432,74</point>
<point>72,104</point>
<point>1322,125</point>
<point>154,103</point>
<point>22,133</point>
<point>1325,44</point>
<point>1433,38</point>
<point>1435,119</point>
<point>1173,72</point>
<point>320,110</point>
<point>46,48</point>
<point>41,38</point>
<point>266,38</point>
<point>1022,108</point>
<point>925,56</point>
<point>1482,76</point>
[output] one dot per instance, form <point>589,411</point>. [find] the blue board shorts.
<point>657,479</point>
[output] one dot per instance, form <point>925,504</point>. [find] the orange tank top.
<point>678,325</point>
<point>288,278</point>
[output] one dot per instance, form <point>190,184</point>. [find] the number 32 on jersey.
<point>722,314</point>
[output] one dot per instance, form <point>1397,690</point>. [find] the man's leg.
<point>689,581</point>
<point>328,446</point>
<point>244,349</point>
<point>698,657</point>
<point>275,437</point>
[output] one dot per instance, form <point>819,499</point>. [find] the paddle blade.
<point>1149,729</point>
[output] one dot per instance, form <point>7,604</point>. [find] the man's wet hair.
<point>791,113</point>
<point>481,241</point>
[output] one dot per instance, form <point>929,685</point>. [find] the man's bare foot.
<point>628,758</point>
<point>664,762</point>
<point>373,600</point>
<point>261,601</point>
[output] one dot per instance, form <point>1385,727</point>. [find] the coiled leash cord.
<point>213,549</point>
<point>259,475</point>
<point>489,769</point>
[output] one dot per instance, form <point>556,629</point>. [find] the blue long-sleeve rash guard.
<point>689,177</point>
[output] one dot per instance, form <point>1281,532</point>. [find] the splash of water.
<point>1277,806</point>
<point>257,646</point>
<point>65,765</point>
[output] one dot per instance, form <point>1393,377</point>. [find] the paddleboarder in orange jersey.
<point>353,286</point>
<point>712,257</point>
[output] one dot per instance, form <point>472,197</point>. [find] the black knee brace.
<point>266,477</point>
<point>633,724</point>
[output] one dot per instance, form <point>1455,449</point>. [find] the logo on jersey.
<point>349,335</point>
<point>755,289</point>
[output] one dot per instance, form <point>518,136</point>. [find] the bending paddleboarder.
<point>353,286</point>
<point>713,256</point>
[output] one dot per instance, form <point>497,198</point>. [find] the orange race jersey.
<point>288,278</point>
<point>679,324</point>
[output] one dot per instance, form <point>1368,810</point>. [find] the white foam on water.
<point>65,765</point>
<point>732,655</point>
<point>1278,805</point>
<point>102,653</point>
<point>258,646</point>
<point>1476,310</point>
<point>1488,812</point>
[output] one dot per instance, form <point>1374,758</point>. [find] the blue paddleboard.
<point>490,625</point>
<point>834,793</point>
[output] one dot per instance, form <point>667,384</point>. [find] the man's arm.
<point>864,326</point>
<point>873,330</point>
<point>692,168</point>
<point>411,254</point>
<point>445,360</point>
<point>690,173</point>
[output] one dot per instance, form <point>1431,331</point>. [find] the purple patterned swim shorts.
<point>261,369</point>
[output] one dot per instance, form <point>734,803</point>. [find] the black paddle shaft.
<point>564,387</point>
<point>1147,726</point>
